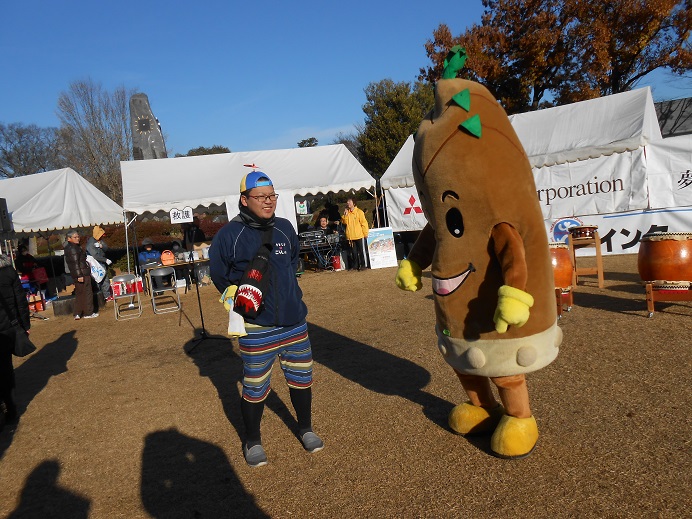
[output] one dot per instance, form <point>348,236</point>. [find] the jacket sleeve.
<point>76,262</point>
<point>363,224</point>
<point>220,261</point>
<point>96,252</point>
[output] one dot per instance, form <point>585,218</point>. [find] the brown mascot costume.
<point>487,247</point>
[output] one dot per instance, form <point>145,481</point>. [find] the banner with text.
<point>669,168</point>
<point>620,233</point>
<point>608,184</point>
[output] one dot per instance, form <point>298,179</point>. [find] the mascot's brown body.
<point>491,273</point>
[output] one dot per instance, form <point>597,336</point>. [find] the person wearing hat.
<point>97,248</point>
<point>148,254</point>
<point>280,327</point>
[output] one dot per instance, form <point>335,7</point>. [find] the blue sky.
<point>246,75</point>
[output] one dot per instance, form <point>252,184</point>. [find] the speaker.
<point>5,221</point>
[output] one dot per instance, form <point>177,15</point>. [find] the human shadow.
<point>34,374</point>
<point>185,477</point>
<point>378,371</point>
<point>216,359</point>
<point>43,497</point>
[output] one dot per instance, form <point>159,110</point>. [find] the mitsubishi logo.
<point>416,209</point>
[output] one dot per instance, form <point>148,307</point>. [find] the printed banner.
<point>403,209</point>
<point>381,248</point>
<point>608,184</point>
<point>669,167</point>
<point>620,233</point>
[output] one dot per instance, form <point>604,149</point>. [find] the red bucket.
<point>336,262</point>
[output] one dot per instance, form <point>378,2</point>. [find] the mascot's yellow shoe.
<point>514,437</point>
<point>470,419</point>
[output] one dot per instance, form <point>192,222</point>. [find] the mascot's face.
<point>471,173</point>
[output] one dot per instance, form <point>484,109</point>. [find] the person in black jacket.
<point>75,258</point>
<point>14,299</point>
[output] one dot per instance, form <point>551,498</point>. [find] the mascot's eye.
<point>455,223</point>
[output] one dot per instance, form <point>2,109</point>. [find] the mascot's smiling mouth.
<point>444,287</point>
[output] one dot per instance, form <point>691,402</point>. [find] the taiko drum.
<point>562,264</point>
<point>665,257</point>
<point>583,231</point>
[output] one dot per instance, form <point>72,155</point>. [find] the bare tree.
<point>27,149</point>
<point>95,133</point>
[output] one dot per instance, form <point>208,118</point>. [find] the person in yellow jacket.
<point>356,233</point>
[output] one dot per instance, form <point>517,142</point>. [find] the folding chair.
<point>126,309</point>
<point>162,281</point>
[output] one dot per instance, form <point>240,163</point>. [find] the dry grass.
<point>118,421</point>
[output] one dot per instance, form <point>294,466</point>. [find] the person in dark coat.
<point>14,299</point>
<point>75,258</point>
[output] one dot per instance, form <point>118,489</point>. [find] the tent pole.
<point>127,242</point>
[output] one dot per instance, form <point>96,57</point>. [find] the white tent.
<point>591,164</point>
<point>165,184</point>
<point>58,199</point>
<point>669,168</point>
<point>588,129</point>
<point>399,172</point>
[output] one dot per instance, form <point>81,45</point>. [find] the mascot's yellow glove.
<point>512,308</point>
<point>408,277</point>
<point>227,297</point>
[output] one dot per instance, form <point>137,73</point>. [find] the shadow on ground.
<point>186,477</point>
<point>33,376</point>
<point>43,497</point>
<point>378,371</point>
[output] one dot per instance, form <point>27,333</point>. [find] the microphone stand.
<point>203,332</point>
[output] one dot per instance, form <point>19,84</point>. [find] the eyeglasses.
<point>264,198</point>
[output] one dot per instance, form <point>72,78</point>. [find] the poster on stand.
<point>381,248</point>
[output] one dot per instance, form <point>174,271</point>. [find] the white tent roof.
<point>58,199</point>
<point>588,129</point>
<point>568,133</point>
<point>399,172</point>
<point>164,184</point>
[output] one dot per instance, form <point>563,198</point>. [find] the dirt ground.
<point>117,420</point>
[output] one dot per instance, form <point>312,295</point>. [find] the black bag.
<point>22,344</point>
<point>255,281</point>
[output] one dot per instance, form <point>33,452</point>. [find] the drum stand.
<point>666,293</point>
<point>563,296</point>
<point>578,243</point>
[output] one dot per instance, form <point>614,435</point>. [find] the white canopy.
<point>588,129</point>
<point>58,199</point>
<point>164,184</point>
<point>601,160</point>
<point>399,172</point>
<point>568,133</point>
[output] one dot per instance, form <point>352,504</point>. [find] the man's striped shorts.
<point>260,348</point>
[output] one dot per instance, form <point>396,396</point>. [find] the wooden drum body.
<point>562,264</point>
<point>665,257</point>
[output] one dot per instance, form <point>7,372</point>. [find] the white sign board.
<point>183,215</point>
<point>381,248</point>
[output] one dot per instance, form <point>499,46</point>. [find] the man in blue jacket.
<point>279,329</point>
